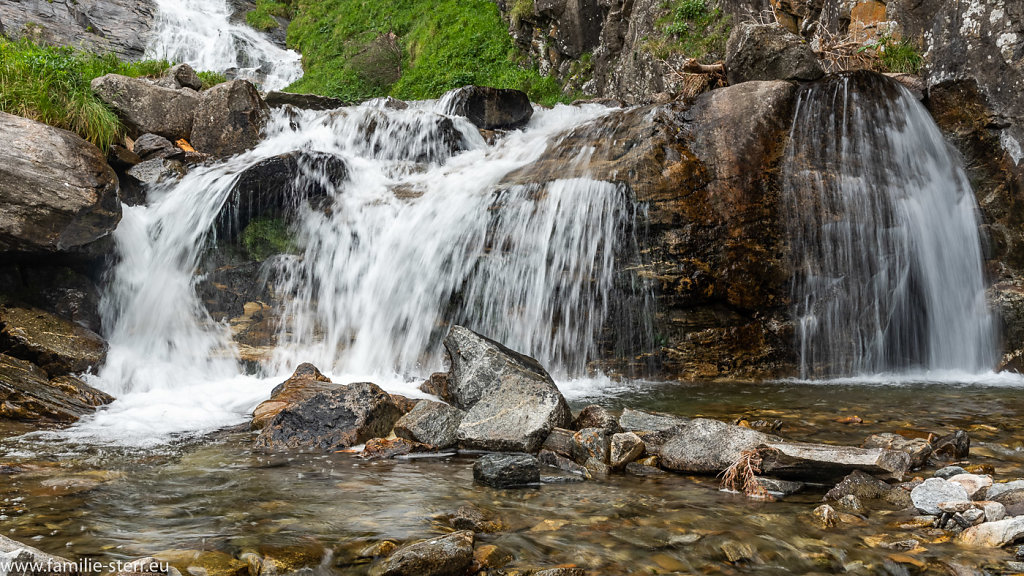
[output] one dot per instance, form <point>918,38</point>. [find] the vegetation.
<point>211,79</point>
<point>262,17</point>
<point>409,49</point>
<point>51,85</point>
<point>691,28</point>
<point>900,56</point>
<point>520,10</point>
<point>265,237</point>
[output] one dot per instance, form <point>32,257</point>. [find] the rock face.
<point>506,470</point>
<point>511,402</point>
<point>145,107</point>
<point>303,101</point>
<point>101,26</point>
<point>433,423</point>
<point>26,393</point>
<point>769,52</point>
<point>57,346</point>
<point>58,193</point>
<point>709,446</point>
<point>229,119</point>
<point>332,419</point>
<point>448,555</point>
<point>490,108</point>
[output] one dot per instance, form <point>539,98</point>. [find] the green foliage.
<point>265,237</point>
<point>211,79</point>
<point>262,17</point>
<point>51,85</point>
<point>899,56</point>
<point>411,49</point>
<point>520,10</point>
<point>692,28</point>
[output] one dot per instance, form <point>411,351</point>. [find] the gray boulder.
<point>768,52</point>
<point>57,191</point>
<point>490,108</point>
<point>56,345</point>
<point>429,422</point>
<point>934,491</point>
<point>506,470</point>
<point>709,446</point>
<point>655,429</point>
<point>332,419</point>
<point>449,555</point>
<point>303,101</point>
<point>150,145</point>
<point>229,119</point>
<point>181,76</point>
<point>145,107</point>
<point>1001,487</point>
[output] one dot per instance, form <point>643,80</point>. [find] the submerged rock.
<point>709,446</point>
<point>506,470</point>
<point>57,346</point>
<point>449,555</point>
<point>490,108</point>
<point>46,564</point>
<point>433,423</point>
<point>866,487</point>
<point>145,107</point>
<point>768,52</point>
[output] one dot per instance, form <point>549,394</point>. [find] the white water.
<point>379,278</point>
<point>201,34</point>
<point>884,232</point>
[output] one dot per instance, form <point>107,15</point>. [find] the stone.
<point>949,471</point>
<point>1009,498</point>
<point>994,511</point>
<point>145,107</point>
<point>27,394</point>
<point>935,491</point>
<point>436,384</point>
<point>590,443</point>
<point>825,516</point>
<point>861,485</point>
<point>564,571</point>
<point>638,469</point>
<point>918,448</point>
<point>275,99</point>
<point>511,402</point>
<point>956,507</point>
<point>491,557</point>
<point>384,448</point>
<point>768,52</point>
<point>999,487</point>
<point>13,551</point>
<point>404,403</point>
<point>595,416</point>
<point>625,448</point>
<point>229,119</point>
<point>204,562</point>
<point>778,487</point>
<point>182,76</point>
<point>994,534</point>
<point>559,441</point>
<point>597,467</point>
<point>975,484</point>
<point>56,345</point>
<point>58,193</point>
<point>506,470</point>
<point>851,504</point>
<point>153,145</point>
<point>808,460</point>
<point>709,446</point>
<point>306,382</point>
<point>953,446</point>
<point>489,108</point>
<point>474,519</point>
<point>332,419</point>
<point>433,423</point>
<point>653,428</point>
<point>563,463</point>
<point>154,171</point>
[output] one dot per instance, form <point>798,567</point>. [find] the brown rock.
<point>57,346</point>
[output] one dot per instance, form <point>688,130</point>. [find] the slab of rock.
<point>595,416</point>
<point>383,448</point>
<point>449,555</point>
<point>709,446</point>
<point>506,470</point>
<point>27,394</point>
<point>822,461</point>
<point>511,402</point>
<point>780,487</point>
<point>145,107</point>
<point>57,346</point>
<point>490,108</point>
<point>935,491</point>
<point>304,383</point>
<point>154,171</point>
<point>654,428</point>
<point>276,99</point>
<point>625,448</point>
<point>229,118</point>
<point>57,191</point>
<point>153,145</point>
<point>918,448</point>
<point>994,534</point>
<point>559,441</point>
<point>768,52</point>
<point>433,423</point>
<point>332,419</point>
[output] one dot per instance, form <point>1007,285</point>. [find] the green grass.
<point>265,237</point>
<point>51,85</point>
<point>211,79</point>
<point>262,17</point>
<point>520,10</point>
<point>691,28</point>
<point>409,49</point>
<point>899,56</point>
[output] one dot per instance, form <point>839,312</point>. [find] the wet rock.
<point>807,460</point>
<point>404,403</point>
<point>994,534</point>
<point>181,76</point>
<point>625,448</point>
<point>597,467</point>
<point>851,504</point>
<point>638,469</point>
<point>564,571</point>
<point>563,463</point>
<point>12,551</point>
<point>433,423</point>
<point>738,551</point>
<point>58,193</point>
<point>825,516</point>
<point>490,108</point>
<point>935,491</point>
<point>768,52</point>
<point>153,145</point>
<point>953,446</point>
<point>917,448</point>
<point>384,448</point>
<point>999,487</point>
<point>145,107</point>
<point>949,471</point>
<point>306,382</point>
<point>26,394</point>
<point>594,416</point>
<point>276,99</point>
<point>559,441</point>
<point>709,446</point>
<point>780,487</point>
<point>332,419</point>
<point>121,158</point>
<point>590,443</point>
<point>475,519</point>
<point>229,119</point>
<point>974,484</point>
<point>866,487</point>
<point>653,428</point>
<point>512,404</point>
<point>57,346</point>
<point>491,557</point>
<point>148,567</point>
<point>449,555</point>
<point>437,385</point>
<point>154,171</point>
<point>205,562</point>
<point>506,470</point>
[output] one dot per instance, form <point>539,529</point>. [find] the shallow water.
<point>80,500</point>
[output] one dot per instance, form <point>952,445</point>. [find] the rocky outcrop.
<point>490,108</point>
<point>229,119</point>
<point>101,26</point>
<point>276,99</point>
<point>146,107</point>
<point>27,393</point>
<point>57,346</point>
<point>58,193</point>
<point>768,52</point>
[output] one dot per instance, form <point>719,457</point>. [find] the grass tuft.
<point>262,17</point>
<point>899,56</point>
<point>691,28</point>
<point>211,79</point>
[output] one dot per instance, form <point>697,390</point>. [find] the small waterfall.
<point>201,33</point>
<point>884,236</point>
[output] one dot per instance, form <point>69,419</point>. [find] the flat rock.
<point>506,470</point>
<point>57,346</point>
<point>807,460</point>
<point>145,107</point>
<point>994,534</point>
<point>917,448</point>
<point>652,427</point>
<point>935,491</point>
<point>709,446</point>
<point>433,423</point>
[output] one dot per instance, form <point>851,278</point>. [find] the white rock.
<point>973,483</point>
<point>994,511</point>
<point>934,491</point>
<point>994,534</point>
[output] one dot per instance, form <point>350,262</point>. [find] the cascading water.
<point>421,234</point>
<point>884,237</point>
<point>201,33</point>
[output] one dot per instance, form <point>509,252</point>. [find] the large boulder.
<point>56,345</point>
<point>332,419</point>
<point>511,402</point>
<point>433,423</point>
<point>304,383</point>
<point>57,191</point>
<point>490,108</point>
<point>994,534</point>
<point>449,555</point>
<point>229,118</point>
<point>123,27</point>
<point>709,446</point>
<point>26,393</point>
<point>144,106</point>
<point>768,52</point>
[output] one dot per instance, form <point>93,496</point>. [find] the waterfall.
<point>201,33</point>
<point>883,230</point>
